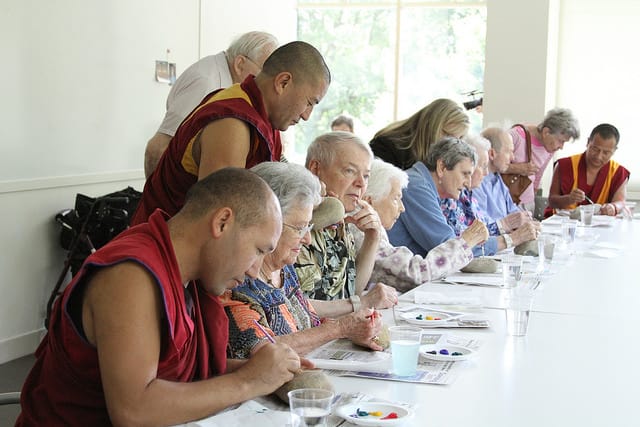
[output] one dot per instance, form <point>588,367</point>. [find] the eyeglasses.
<point>301,231</point>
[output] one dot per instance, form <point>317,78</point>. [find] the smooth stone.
<point>481,265</point>
<point>529,248</point>
<point>308,378</point>
<point>330,211</point>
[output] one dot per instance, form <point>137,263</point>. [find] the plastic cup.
<point>518,303</point>
<point>405,346</point>
<point>546,246</point>
<point>569,230</point>
<point>511,270</point>
<point>586,214</point>
<point>629,208</point>
<point>310,407</point>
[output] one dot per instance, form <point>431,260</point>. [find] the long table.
<point>577,365</point>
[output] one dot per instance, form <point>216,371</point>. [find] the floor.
<point>12,375</point>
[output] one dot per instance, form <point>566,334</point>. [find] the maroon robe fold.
<point>177,171</point>
<point>64,386</point>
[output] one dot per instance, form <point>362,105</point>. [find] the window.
<point>388,59</point>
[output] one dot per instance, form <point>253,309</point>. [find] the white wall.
<point>80,77</point>
<point>79,104</point>
<point>516,78</point>
<point>277,17</point>
<point>31,256</point>
<point>598,72</point>
<point>566,53</point>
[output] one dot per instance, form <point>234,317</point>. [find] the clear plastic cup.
<point>586,214</point>
<point>405,346</point>
<point>310,407</point>
<point>511,270</point>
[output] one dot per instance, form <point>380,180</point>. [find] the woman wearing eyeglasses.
<point>274,298</point>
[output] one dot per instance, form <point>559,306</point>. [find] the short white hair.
<point>478,142</point>
<point>324,148</point>
<point>253,45</point>
<point>381,177</point>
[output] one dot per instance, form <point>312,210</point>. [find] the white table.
<point>577,366</point>
<point>569,370</point>
<point>597,286</point>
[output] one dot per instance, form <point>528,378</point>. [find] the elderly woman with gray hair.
<point>399,266</point>
<point>444,173</point>
<point>461,212</point>
<point>558,126</point>
<point>274,299</point>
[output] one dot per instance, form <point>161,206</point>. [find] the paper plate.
<point>466,352</point>
<point>420,317</point>
<point>348,412</point>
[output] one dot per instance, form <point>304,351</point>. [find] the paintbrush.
<point>264,331</point>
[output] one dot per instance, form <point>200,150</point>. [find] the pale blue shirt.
<point>422,226</point>
<point>493,197</point>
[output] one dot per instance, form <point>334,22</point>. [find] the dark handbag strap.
<point>527,135</point>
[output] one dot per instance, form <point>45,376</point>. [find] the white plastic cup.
<point>629,208</point>
<point>310,407</point>
<point>586,214</point>
<point>569,230</point>
<point>518,302</point>
<point>511,270</point>
<point>546,246</point>
<point>405,346</point>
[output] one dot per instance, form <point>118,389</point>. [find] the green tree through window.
<point>380,74</point>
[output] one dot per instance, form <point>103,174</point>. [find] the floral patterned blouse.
<point>327,266</point>
<point>462,212</point>
<point>280,311</point>
<point>404,270</point>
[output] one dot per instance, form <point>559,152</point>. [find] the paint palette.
<point>374,413</point>
<point>427,318</point>
<point>453,353</point>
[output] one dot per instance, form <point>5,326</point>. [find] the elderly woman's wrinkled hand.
<point>530,168</point>
<point>475,234</point>
<point>528,231</point>
<point>515,220</point>
<point>362,327</point>
<point>380,296</point>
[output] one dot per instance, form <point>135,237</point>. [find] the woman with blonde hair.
<point>405,142</point>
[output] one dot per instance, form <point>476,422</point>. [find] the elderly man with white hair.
<point>329,267</point>
<point>493,196</point>
<point>399,266</point>
<point>244,56</point>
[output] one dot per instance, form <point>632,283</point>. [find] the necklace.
<point>268,277</point>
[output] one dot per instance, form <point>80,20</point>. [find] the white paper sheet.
<point>463,297</point>
<point>250,413</point>
<point>476,279</point>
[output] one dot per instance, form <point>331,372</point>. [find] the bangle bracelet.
<point>355,302</point>
<point>507,240</point>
